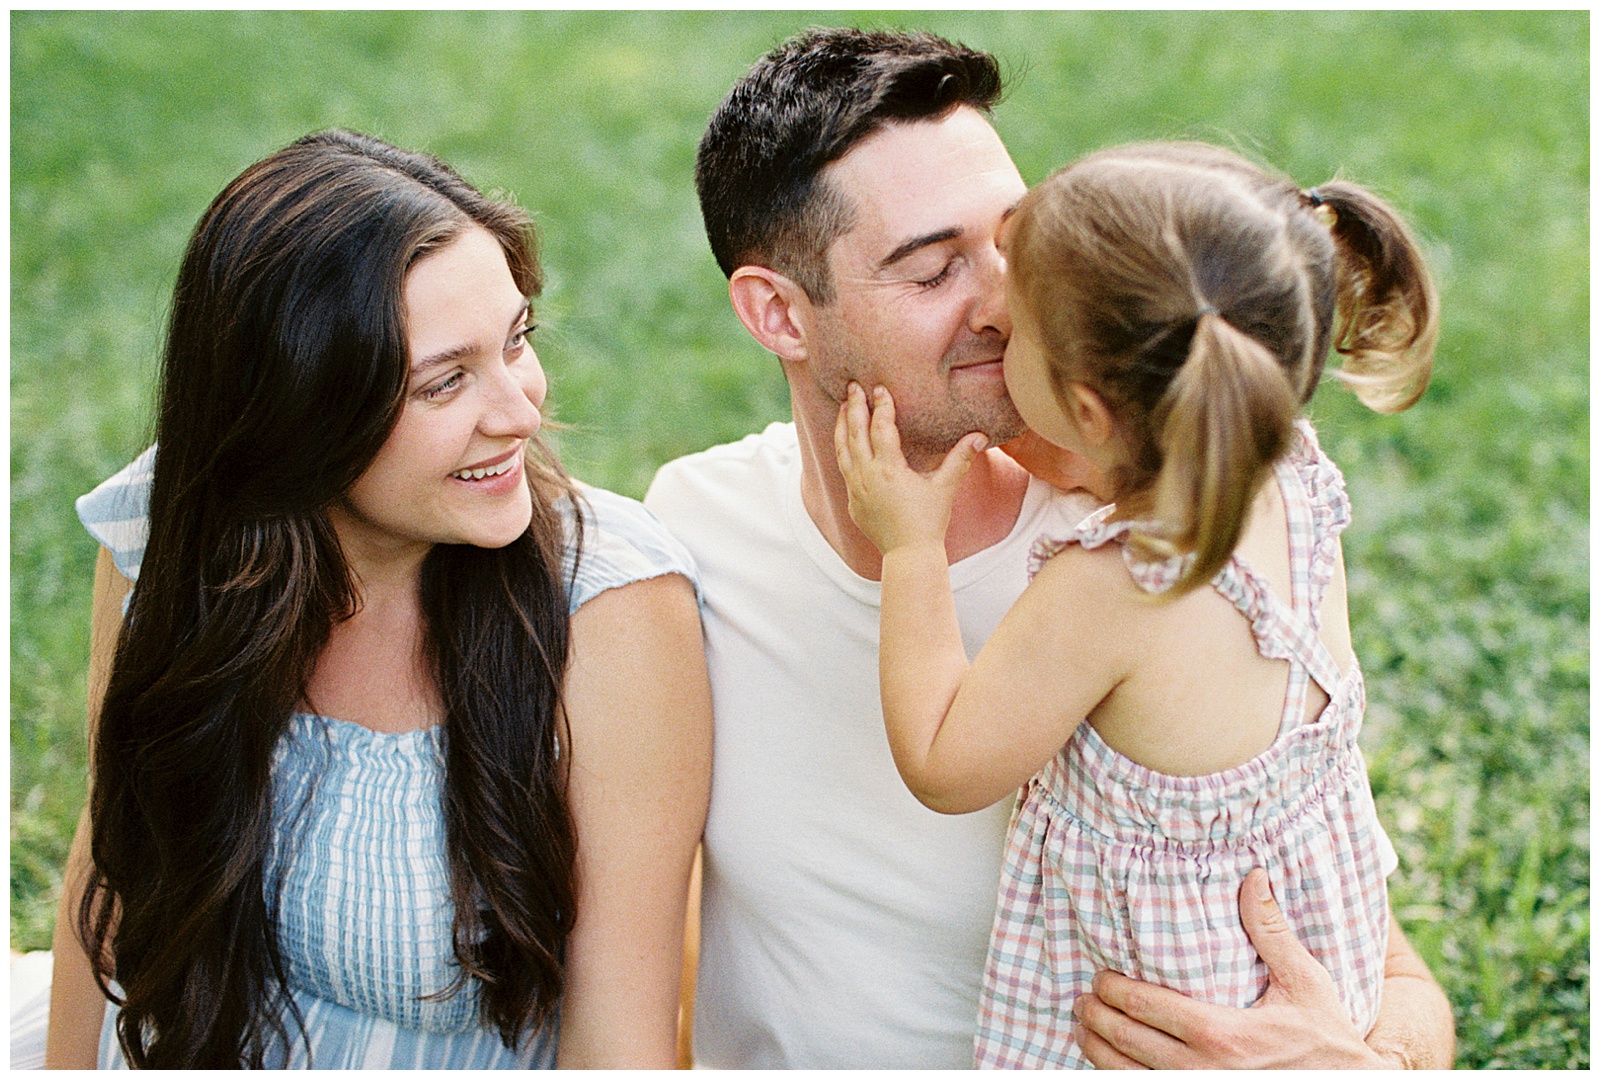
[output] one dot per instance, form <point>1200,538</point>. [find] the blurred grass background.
<point>1468,557</point>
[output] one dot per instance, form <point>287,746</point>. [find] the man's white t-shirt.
<point>843,923</point>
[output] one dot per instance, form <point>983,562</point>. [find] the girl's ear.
<point>1090,414</point>
<point>773,308</point>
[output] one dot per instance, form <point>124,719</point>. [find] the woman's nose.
<point>516,397</point>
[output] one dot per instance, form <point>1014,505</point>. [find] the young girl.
<point>1177,680</point>
<point>401,753</point>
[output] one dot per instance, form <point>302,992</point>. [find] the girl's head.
<point>289,357</point>
<point>1172,307</point>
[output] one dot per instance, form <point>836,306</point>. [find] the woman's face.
<point>451,472</point>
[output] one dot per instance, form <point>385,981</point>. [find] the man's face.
<point>919,303</point>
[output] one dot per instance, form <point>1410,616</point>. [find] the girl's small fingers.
<point>841,436</point>
<point>860,421</point>
<point>960,458</point>
<point>885,436</point>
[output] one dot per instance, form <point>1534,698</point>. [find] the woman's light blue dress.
<point>364,911</point>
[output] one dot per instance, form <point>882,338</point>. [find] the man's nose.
<point>989,312</point>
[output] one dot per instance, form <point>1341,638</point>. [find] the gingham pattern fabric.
<point>364,916</point>
<point>1113,866</point>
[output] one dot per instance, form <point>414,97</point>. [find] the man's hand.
<point>1298,1023</point>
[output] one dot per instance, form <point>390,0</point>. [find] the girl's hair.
<point>1199,295</point>
<point>285,371</point>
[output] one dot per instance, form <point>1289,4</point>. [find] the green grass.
<point>1469,553</point>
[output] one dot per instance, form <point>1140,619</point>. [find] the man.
<point>852,188</point>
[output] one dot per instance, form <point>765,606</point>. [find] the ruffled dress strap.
<point>1096,531</point>
<point>1328,513</point>
<point>1317,510</point>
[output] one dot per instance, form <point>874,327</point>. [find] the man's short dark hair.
<point>799,108</point>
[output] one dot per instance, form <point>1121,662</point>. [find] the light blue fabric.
<point>364,916</point>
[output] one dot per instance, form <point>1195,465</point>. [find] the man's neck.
<point>986,507</point>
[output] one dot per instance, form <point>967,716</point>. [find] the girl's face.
<point>1027,371</point>
<point>451,472</point>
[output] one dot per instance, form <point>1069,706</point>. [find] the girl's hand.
<point>893,504</point>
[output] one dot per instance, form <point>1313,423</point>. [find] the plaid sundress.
<point>1113,866</point>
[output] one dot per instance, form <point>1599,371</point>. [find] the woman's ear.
<point>1090,414</point>
<point>773,308</point>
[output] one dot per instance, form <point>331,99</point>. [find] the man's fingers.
<point>1139,1020</point>
<point>1155,1006</point>
<point>1290,966</point>
<point>1101,1054</point>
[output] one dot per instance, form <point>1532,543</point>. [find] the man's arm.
<point>1415,1028</point>
<point>1298,1023</point>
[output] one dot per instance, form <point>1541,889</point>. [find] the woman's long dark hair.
<point>285,370</point>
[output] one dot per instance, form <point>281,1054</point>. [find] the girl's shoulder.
<point>623,542</point>
<point>1097,531</point>
<point>1317,484</point>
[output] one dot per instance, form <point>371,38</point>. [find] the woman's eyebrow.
<point>465,349</point>
<point>447,356</point>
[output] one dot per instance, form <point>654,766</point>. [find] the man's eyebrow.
<point>1005,217</point>
<point>917,243</point>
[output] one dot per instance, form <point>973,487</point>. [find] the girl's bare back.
<point>1198,697</point>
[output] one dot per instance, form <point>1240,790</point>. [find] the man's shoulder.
<point>749,464</point>
<point>1064,509</point>
<point>775,440</point>
<point>729,498</point>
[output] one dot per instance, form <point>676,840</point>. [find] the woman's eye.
<point>443,387</point>
<point>520,338</point>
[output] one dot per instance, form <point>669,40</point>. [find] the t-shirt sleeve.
<point>622,543</point>
<point>117,513</point>
<point>1388,857</point>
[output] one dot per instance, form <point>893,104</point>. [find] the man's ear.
<point>773,308</point>
<point>1090,414</point>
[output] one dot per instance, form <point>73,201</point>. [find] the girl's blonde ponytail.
<point>1388,311</point>
<point>1225,418</point>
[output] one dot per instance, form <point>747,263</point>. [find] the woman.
<point>401,752</point>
